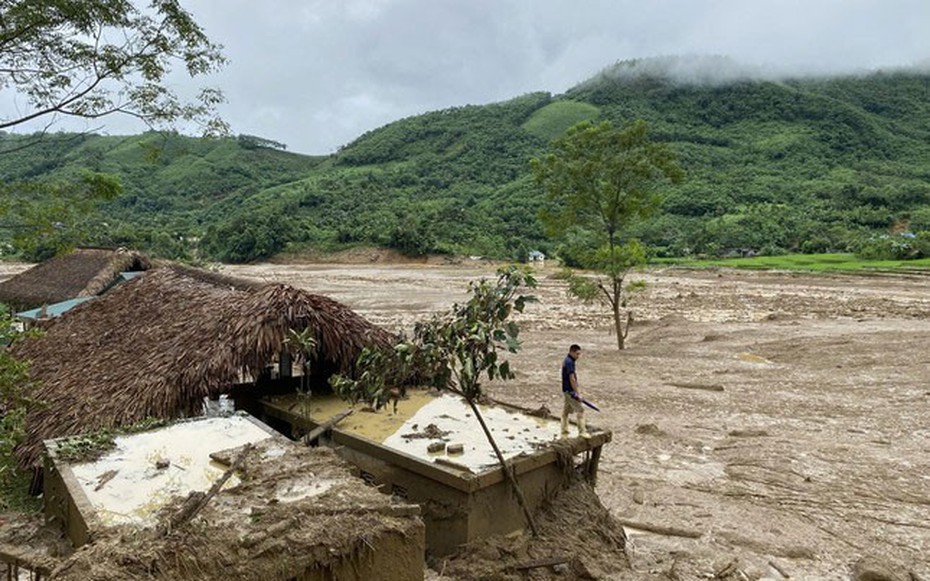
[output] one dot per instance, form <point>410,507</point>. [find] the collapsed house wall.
<point>453,516</point>
<point>392,556</point>
<point>292,512</point>
<point>63,509</point>
<point>127,480</point>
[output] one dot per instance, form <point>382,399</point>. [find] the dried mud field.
<point>770,425</point>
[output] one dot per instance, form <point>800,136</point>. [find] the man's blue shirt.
<point>568,369</point>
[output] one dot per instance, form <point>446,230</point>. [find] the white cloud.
<point>315,75</point>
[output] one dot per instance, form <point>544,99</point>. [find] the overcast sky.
<point>315,74</point>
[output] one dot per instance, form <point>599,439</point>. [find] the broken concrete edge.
<point>66,502</point>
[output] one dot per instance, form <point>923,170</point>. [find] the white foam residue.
<point>294,491</point>
<point>274,452</point>
<point>515,433</point>
<point>126,487</point>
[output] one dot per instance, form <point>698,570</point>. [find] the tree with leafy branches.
<point>50,218</point>
<point>599,180</point>
<point>455,352</point>
<point>93,58</point>
<point>90,59</point>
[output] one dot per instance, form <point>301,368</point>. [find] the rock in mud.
<point>748,433</point>
<point>650,429</point>
<point>871,568</point>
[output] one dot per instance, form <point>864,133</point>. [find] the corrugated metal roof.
<point>54,310</point>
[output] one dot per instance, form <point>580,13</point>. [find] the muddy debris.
<point>245,534</point>
<point>540,412</point>
<point>749,433</point>
<point>846,352</point>
<point>431,432</point>
<point>873,568</point>
<point>699,386</point>
<point>649,430</point>
<point>579,539</point>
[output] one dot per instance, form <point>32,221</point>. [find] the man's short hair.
<point>574,348</point>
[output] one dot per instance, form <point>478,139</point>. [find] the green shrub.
<point>247,238</point>
<point>15,402</point>
<point>890,247</point>
<point>414,235</point>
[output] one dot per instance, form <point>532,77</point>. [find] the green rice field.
<point>809,262</point>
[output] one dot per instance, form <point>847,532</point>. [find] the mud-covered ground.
<point>779,421</point>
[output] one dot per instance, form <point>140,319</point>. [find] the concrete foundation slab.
<point>463,496</point>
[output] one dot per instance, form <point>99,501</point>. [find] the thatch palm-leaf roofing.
<point>155,346</point>
<point>84,272</point>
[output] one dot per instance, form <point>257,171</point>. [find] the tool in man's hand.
<point>585,402</point>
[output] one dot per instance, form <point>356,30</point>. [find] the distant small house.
<point>86,272</point>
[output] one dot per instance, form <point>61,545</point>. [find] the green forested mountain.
<point>173,186</point>
<point>806,165</point>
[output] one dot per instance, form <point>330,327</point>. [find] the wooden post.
<point>324,427</point>
<point>196,501</point>
<point>508,469</point>
<point>592,465</point>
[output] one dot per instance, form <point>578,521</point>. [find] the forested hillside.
<point>173,186</point>
<point>803,165</point>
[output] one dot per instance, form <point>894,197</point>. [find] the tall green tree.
<point>600,180</point>
<point>93,58</point>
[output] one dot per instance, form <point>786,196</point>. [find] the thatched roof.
<point>156,345</point>
<point>84,272</point>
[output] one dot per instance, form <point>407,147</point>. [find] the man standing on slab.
<point>571,393</point>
